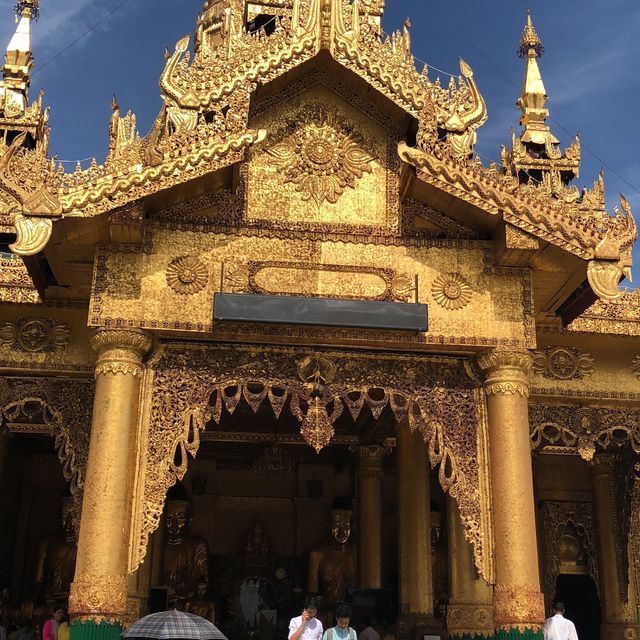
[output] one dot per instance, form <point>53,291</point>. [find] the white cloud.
<point>60,23</point>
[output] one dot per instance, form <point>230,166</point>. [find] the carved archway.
<point>573,520</point>
<point>190,386</point>
<point>61,409</point>
<point>583,430</point>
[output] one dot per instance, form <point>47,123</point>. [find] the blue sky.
<point>589,68</point>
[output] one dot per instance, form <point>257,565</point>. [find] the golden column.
<point>414,529</point>
<point>98,598</point>
<point>370,474</point>
<point>470,610</point>
<point>618,617</point>
<point>518,601</point>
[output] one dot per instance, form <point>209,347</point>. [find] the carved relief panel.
<point>327,161</point>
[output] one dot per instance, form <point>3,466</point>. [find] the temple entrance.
<point>580,597</point>
<point>279,521</point>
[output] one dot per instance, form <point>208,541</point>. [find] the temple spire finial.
<point>19,57</point>
<point>533,96</point>
<point>530,39</point>
<point>535,156</point>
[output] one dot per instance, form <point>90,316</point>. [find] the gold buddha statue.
<point>57,559</point>
<point>185,559</point>
<point>333,567</point>
<point>200,605</point>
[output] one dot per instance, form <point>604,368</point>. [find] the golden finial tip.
<point>530,40</point>
<point>28,8</point>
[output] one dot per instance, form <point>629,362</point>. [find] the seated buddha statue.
<point>57,558</point>
<point>185,560</point>
<point>201,605</point>
<point>333,567</point>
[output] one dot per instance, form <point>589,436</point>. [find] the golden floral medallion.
<point>321,155</point>
<point>187,275</point>
<point>451,291</point>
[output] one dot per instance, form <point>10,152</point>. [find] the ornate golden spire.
<point>19,58</point>
<point>536,157</point>
<point>533,97</point>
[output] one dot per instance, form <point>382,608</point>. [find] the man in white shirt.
<point>306,626</point>
<point>557,627</point>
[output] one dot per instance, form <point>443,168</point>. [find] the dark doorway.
<point>579,595</point>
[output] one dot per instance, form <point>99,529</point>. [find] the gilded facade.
<point>471,473</point>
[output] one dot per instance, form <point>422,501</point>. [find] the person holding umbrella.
<point>306,626</point>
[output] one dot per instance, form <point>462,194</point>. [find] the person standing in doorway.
<point>306,626</point>
<point>557,627</point>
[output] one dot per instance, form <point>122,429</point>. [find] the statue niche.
<point>333,567</point>
<point>185,561</point>
<point>57,559</point>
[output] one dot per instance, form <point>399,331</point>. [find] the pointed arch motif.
<point>191,386</point>
<point>64,407</point>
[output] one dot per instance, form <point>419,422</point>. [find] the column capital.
<point>505,372</point>
<point>370,457</point>
<point>120,351</point>
<point>603,464</point>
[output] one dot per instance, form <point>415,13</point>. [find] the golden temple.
<point>300,339</point>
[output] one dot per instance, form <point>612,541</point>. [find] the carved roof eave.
<point>618,317</point>
<point>464,181</point>
<point>112,191</point>
<point>607,248</point>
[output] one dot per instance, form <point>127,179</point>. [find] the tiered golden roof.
<point>203,126</point>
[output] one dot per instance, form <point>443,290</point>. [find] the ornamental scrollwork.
<point>470,620</point>
<point>518,608</point>
<point>98,598</point>
<point>583,430</point>
<point>563,363</point>
<point>194,388</point>
<point>319,151</point>
<point>635,366</point>
<point>65,407</point>
<point>35,335</point>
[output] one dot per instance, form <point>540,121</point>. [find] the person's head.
<point>58,614</point>
<point>341,520</point>
<point>311,607</point>
<point>343,615</point>
<point>558,607</point>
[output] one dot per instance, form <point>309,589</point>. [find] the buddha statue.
<point>185,561</point>
<point>57,559</point>
<point>200,605</point>
<point>333,567</point>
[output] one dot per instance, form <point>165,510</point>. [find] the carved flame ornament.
<point>322,157</point>
<point>451,291</point>
<point>187,275</point>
